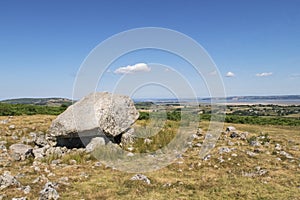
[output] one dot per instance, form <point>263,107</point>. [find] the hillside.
<point>39,101</point>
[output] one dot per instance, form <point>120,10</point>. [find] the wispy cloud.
<point>295,75</point>
<point>139,67</point>
<point>230,74</point>
<point>213,73</point>
<point>264,74</point>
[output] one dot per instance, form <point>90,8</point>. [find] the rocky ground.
<point>248,162</point>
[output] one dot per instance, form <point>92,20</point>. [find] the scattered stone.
<point>195,136</point>
<point>39,153</point>
<point>36,180</point>
<point>95,142</point>
<point>130,154</point>
<point>285,154</point>
<point>198,145</point>
<point>27,189</point>
<point>5,121</point>
<point>58,151</point>
<point>12,127</point>
<point>278,147</point>
<point>20,151</point>
<point>49,192</point>
<point>167,185</point>
<point>2,196</point>
<point>72,162</point>
<point>234,155</point>
<point>251,154</point>
<point>230,129</point>
<point>64,181</point>
<point>141,177</point>
<point>254,143</point>
<point>56,162</point>
<point>19,198</point>
<point>130,148</point>
<point>40,140</point>
<point>7,180</point>
<point>234,135</point>
<point>199,132</point>
<point>224,150</point>
<point>147,141</point>
<point>221,159</point>
<point>244,135</point>
<point>207,157</point>
<point>84,175</point>
<point>258,172</point>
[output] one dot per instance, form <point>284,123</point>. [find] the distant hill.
<point>39,101</point>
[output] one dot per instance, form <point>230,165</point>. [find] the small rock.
<point>20,151</point>
<point>251,154</point>
<point>130,154</point>
<point>12,127</point>
<point>72,162</point>
<point>49,192</point>
<point>287,155</point>
<point>221,159</point>
<point>234,135</point>
<point>36,180</point>
<point>39,153</point>
<point>7,180</point>
<point>199,132</point>
<point>230,129</point>
<point>195,136</point>
<point>27,189</point>
<point>207,157</point>
<point>141,177</point>
<point>94,143</point>
<point>55,162</point>
<point>254,143</point>
<point>234,155</point>
<point>198,145</point>
<point>224,150</point>
<point>244,135</point>
<point>41,141</point>
<point>64,181</point>
<point>19,198</point>
<point>5,121</point>
<point>147,141</point>
<point>278,147</point>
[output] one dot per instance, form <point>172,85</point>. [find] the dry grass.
<point>188,177</point>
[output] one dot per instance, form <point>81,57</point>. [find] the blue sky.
<point>43,43</point>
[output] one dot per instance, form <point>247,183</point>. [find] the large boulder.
<point>98,113</point>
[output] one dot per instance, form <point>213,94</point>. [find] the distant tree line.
<point>26,109</point>
<point>236,119</point>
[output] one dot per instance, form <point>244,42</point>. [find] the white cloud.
<point>230,74</point>
<point>139,67</point>
<point>264,74</point>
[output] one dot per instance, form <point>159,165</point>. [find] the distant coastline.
<point>232,100</point>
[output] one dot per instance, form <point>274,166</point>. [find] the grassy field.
<point>235,175</point>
